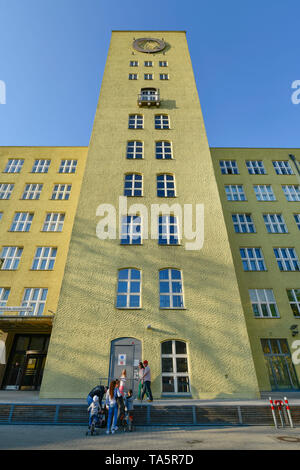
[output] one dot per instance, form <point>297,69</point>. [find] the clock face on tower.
<point>149,45</point>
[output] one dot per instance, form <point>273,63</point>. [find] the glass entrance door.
<point>33,371</point>
<point>278,359</point>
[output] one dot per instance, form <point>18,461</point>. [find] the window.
<point>14,165</point>
<point>163,63</point>
<point>294,299</point>
<point>168,230</point>
<point>297,220</point>
<point>41,166</point>
<point>11,256</point>
<point>161,121</point>
<point>264,192</point>
<point>6,190</point>
<point>255,167</point>
<point>165,185</point>
<point>129,288</point>
<point>67,166</point>
<point>35,298</point>
<point>287,259</point>
<point>133,63</point>
<point>148,76</point>
<point>174,367</point>
<point>22,222</point>
<point>229,167</point>
<point>54,222</point>
<point>163,150</point>
<point>133,76</point>
<point>131,230</point>
<point>291,192</point>
<point>32,191</point>
<point>243,223</point>
<point>170,289</point>
<point>252,259</point>
<point>283,168</point>
<point>164,76</point>
<point>44,258</point>
<point>235,192</point>
<point>134,150</point>
<point>133,185</point>
<point>148,63</point>
<point>263,303</point>
<point>275,223</point>
<point>279,364</point>
<point>61,191</point>
<point>136,121</point>
<point>4,293</point>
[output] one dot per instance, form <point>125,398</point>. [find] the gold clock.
<point>149,45</point>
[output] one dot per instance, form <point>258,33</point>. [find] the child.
<point>122,381</point>
<point>94,410</point>
<point>129,409</point>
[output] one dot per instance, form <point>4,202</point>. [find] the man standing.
<point>147,382</point>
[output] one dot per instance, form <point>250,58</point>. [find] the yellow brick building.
<point>39,190</point>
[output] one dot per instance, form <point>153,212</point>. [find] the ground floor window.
<point>278,360</point>
<point>174,365</point>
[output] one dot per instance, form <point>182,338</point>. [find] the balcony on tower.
<point>149,97</point>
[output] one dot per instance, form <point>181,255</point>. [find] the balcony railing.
<point>149,100</point>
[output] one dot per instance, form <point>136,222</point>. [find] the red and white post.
<point>287,407</point>
<point>273,412</point>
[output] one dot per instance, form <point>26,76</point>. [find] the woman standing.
<point>141,381</point>
<point>112,406</point>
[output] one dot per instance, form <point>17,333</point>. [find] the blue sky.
<point>245,57</point>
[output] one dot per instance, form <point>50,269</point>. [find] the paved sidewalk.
<point>150,438</point>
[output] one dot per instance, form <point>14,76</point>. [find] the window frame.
<point>174,374</point>
<point>128,292</point>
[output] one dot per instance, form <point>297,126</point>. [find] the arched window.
<point>133,185</point>
<point>129,288</point>
<point>174,367</point>
<point>161,121</point>
<point>163,150</point>
<point>170,288</point>
<point>165,185</point>
<point>134,149</point>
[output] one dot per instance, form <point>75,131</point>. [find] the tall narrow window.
<point>44,258</point>
<point>168,230</point>
<point>161,121</point>
<point>129,288</point>
<point>133,185</point>
<point>131,230</point>
<point>163,150</point>
<point>171,289</point>
<point>174,367</point>
<point>134,150</point>
<point>10,257</point>
<point>135,121</point>
<point>36,299</point>
<point>14,165</point>
<point>165,185</point>
<point>287,259</point>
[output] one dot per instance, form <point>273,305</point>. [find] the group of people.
<point>117,402</point>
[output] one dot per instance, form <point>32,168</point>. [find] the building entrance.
<point>126,354</point>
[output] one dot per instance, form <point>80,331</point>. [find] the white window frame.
<point>44,258</point>
<point>129,233</point>
<point>148,76</point>
<point>229,167</point>
<point>163,63</point>
<point>129,280</point>
<point>133,188</point>
<point>11,256</point>
<point>5,190</point>
<point>171,293</point>
<point>21,222</point>
<point>32,191</point>
<point>166,181</point>
<point>136,121</point>
<point>286,258</point>
<point>291,192</point>
<point>235,192</point>
<point>253,258</point>
<point>264,192</point>
<point>133,63</point>
<point>35,297</point>
<point>4,294</point>
<point>41,166</point>
<point>162,121</point>
<point>282,167</point>
<point>242,222</point>
<point>165,223</point>
<point>175,375</point>
<point>275,223</point>
<point>295,301</point>
<point>136,149</point>
<point>297,220</point>
<point>148,63</point>
<point>68,166</point>
<point>61,192</point>
<point>54,223</point>
<point>132,76</point>
<point>14,165</point>
<point>263,303</point>
<point>164,76</point>
<point>255,167</point>
<point>163,148</point>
